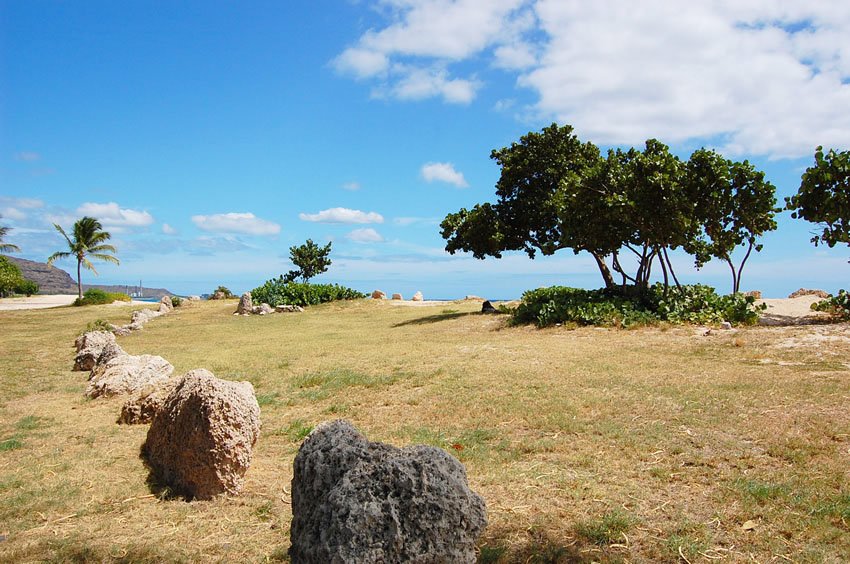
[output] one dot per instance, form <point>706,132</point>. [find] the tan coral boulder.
<point>127,374</point>
<point>166,305</point>
<point>417,297</point>
<point>89,347</point>
<point>142,407</point>
<point>379,295</point>
<point>201,441</point>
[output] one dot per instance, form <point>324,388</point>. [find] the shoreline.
<point>46,301</point>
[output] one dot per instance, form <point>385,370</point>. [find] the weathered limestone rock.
<point>286,308</point>
<point>246,305</point>
<point>218,295</point>
<point>110,351</point>
<point>89,347</point>
<point>143,406</point>
<point>165,305</point>
<point>417,297</point>
<point>378,295</point>
<point>126,374</point>
<point>194,298</point>
<point>140,317</point>
<point>487,307</point>
<point>200,442</point>
<point>262,309</point>
<point>807,292</point>
<point>753,293</point>
<point>363,502</point>
<point>397,297</point>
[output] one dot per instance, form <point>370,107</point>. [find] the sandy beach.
<point>55,300</point>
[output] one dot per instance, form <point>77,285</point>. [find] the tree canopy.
<point>311,260</point>
<point>89,241</point>
<point>824,197</point>
<point>557,192</point>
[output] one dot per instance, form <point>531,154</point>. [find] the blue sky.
<point>209,137</point>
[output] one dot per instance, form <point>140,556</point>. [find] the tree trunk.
<point>603,269</point>
<point>79,280</point>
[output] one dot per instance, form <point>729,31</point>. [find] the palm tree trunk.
<point>79,281</point>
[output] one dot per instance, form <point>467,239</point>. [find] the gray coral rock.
<point>200,443</point>
<point>127,374</point>
<point>246,305</point>
<point>355,501</point>
<point>89,347</point>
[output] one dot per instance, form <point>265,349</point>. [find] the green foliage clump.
<point>837,306</point>
<point>618,307</point>
<point>10,277</point>
<point>279,291</point>
<point>27,287</point>
<point>96,296</point>
<point>311,260</point>
<point>176,301</point>
<point>97,325</point>
<point>222,290</point>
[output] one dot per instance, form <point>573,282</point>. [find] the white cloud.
<point>245,223</point>
<point>406,221</point>
<point>342,215</point>
<point>443,172</point>
<point>421,83</point>
<point>168,229</point>
<point>24,203</point>
<point>446,31</point>
<point>27,156</point>
<point>365,235</point>
<point>12,213</point>
<point>759,77</point>
<point>112,215</point>
<point>351,186</point>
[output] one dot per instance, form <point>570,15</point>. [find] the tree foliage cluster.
<point>838,305</point>
<point>628,208</point>
<point>612,307</point>
<point>280,291</point>
<point>89,240</point>
<point>96,296</point>
<point>311,260</point>
<point>12,280</point>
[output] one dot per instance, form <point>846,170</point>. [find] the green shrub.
<point>96,296</point>
<point>626,307</point>
<point>97,325</point>
<point>27,287</point>
<point>279,291</point>
<point>222,291</point>
<point>838,305</point>
<point>176,301</point>
<point>10,277</point>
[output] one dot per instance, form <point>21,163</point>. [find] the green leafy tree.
<point>824,197</point>
<point>630,208</point>
<point>88,241</point>
<point>734,206</point>
<point>10,277</point>
<point>311,260</point>
<point>7,247</point>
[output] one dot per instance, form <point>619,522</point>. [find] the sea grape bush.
<point>838,305</point>
<point>280,291</point>
<point>617,307</point>
<point>96,296</point>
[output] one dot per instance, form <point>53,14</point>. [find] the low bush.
<point>837,306</point>
<point>279,291</point>
<point>10,277</point>
<point>27,287</point>
<point>627,307</point>
<point>176,301</point>
<point>96,296</point>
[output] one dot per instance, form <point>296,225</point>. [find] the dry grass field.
<point>651,445</point>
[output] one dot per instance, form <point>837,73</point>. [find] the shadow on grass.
<point>158,485</point>
<point>437,318</point>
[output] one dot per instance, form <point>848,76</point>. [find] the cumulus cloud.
<point>112,215</point>
<point>761,77</point>
<point>443,172</point>
<point>22,203</point>
<point>234,222</point>
<point>351,186</point>
<point>168,229</point>
<point>12,213</point>
<point>342,215</point>
<point>27,156</point>
<point>402,53</point>
<point>365,235</point>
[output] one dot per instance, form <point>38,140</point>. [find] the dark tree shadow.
<point>437,318</point>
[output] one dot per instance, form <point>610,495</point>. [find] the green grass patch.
<point>607,529</point>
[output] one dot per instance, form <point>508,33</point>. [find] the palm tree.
<point>88,240</point>
<point>7,247</point>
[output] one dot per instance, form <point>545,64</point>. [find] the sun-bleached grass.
<point>656,444</point>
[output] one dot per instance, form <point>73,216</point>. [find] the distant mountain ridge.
<point>52,280</point>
